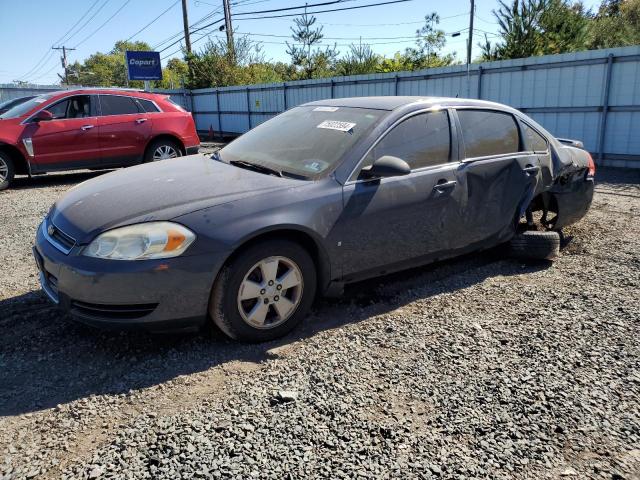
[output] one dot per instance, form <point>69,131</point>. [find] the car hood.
<point>156,191</point>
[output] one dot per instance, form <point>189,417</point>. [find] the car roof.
<point>110,91</point>
<point>393,102</point>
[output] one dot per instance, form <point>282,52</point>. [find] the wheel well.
<point>19,162</point>
<point>547,203</point>
<point>165,136</point>
<point>306,241</point>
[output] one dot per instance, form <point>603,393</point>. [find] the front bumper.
<point>156,295</point>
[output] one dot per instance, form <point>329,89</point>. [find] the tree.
<point>360,59</point>
<point>616,24</point>
<point>429,42</point>
<point>217,66</point>
<point>518,27</point>
<point>310,60</point>
<point>563,27</point>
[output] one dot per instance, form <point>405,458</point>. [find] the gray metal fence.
<point>592,96</point>
<point>10,91</point>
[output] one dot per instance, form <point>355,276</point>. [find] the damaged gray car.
<point>327,193</point>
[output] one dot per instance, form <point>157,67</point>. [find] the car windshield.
<point>306,141</point>
<point>23,108</point>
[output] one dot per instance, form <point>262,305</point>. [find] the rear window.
<point>488,133</point>
<point>147,105</point>
<point>117,105</point>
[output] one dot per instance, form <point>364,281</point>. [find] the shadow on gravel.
<point>54,179</point>
<point>46,359</point>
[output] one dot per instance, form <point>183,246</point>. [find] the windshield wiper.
<point>255,167</point>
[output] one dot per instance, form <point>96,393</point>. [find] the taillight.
<point>592,166</point>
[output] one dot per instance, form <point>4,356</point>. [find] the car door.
<point>393,220</point>
<point>125,130</point>
<point>70,139</point>
<point>500,175</point>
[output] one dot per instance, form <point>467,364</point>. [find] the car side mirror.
<point>387,166</point>
<point>43,116</point>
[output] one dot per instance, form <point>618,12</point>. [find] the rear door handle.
<point>444,184</point>
<point>86,127</point>
<point>531,169</point>
<point>141,120</point>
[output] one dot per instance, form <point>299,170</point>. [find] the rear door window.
<point>117,105</point>
<point>487,132</point>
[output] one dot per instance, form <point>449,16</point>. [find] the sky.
<point>29,28</point>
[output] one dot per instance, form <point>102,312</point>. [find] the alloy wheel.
<point>4,170</point>
<point>270,292</point>
<point>163,152</point>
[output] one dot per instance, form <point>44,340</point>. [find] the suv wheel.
<point>6,171</point>
<point>264,292</point>
<point>162,150</point>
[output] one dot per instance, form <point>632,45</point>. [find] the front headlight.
<point>141,242</point>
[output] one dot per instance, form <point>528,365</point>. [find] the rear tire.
<point>7,171</point>
<point>532,245</point>
<point>162,149</point>
<point>283,276</point>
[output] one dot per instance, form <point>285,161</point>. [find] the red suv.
<point>92,128</point>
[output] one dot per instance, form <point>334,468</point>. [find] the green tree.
<point>563,27</point>
<point>218,66</point>
<point>426,54</point>
<point>310,60</point>
<point>359,59</point>
<point>616,24</point>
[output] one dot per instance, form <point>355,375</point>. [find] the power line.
<point>49,53</point>
<point>290,15</point>
<point>104,4</point>
<point>63,38</point>
<point>101,26</point>
<point>154,20</point>
<point>203,19</point>
<point>388,24</point>
<point>321,11</point>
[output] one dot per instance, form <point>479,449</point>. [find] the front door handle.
<point>84,128</point>
<point>444,184</point>
<point>141,120</point>
<point>531,169</point>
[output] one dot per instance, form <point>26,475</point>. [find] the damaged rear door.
<point>500,175</point>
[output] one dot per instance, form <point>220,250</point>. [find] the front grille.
<point>95,310</point>
<point>61,237</point>
<point>57,237</point>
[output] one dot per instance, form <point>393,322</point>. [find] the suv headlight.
<point>142,241</point>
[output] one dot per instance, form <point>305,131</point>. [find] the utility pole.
<point>64,62</point>
<point>228,28</point>
<point>185,21</point>
<point>469,46</point>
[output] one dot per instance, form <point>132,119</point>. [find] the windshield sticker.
<point>325,109</point>
<point>39,100</point>
<point>336,125</point>
<point>314,166</point>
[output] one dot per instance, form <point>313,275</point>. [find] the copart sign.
<point>143,65</point>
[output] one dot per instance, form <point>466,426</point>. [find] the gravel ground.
<point>480,367</point>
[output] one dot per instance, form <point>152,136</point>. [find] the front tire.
<point>264,292</point>
<point>162,149</point>
<point>7,171</point>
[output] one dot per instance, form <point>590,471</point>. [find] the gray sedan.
<point>324,194</point>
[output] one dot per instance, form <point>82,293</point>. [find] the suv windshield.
<point>307,141</point>
<point>23,108</point>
